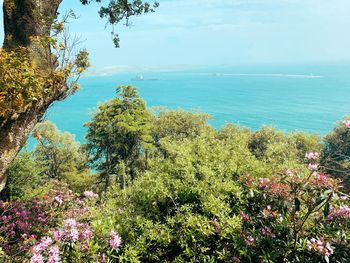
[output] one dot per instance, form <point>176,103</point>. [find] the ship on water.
<point>142,78</point>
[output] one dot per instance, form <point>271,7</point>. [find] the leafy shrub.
<point>200,194</point>
<point>211,200</point>
<point>24,175</point>
<point>336,154</point>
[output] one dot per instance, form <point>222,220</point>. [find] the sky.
<point>194,33</point>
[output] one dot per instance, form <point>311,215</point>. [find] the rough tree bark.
<point>24,19</point>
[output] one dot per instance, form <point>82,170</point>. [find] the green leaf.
<point>297,204</point>
<point>326,210</point>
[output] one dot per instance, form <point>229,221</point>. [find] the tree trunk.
<point>13,137</point>
<point>24,19</point>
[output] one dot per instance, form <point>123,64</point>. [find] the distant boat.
<point>142,78</point>
<point>139,78</point>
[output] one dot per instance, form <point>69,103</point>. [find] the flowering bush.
<point>25,223</point>
<point>75,242</point>
<point>22,223</point>
<point>297,218</point>
<point>194,206</point>
<point>212,197</point>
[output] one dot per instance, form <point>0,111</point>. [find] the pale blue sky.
<point>188,33</point>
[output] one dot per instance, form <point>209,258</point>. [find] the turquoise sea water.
<point>307,98</point>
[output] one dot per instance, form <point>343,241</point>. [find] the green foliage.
<point>30,77</point>
<point>178,124</point>
<point>57,152</point>
<point>336,154</point>
<point>122,10</point>
<point>119,135</point>
<point>263,139</point>
<point>186,192</point>
<point>304,142</point>
<point>24,175</point>
<point>56,156</point>
<point>81,180</point>
<point>180,209</point>
<point>193,203</point>
<point>20,84</point>
<point>276,148</point>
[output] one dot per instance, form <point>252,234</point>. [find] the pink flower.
<point>90,194</point>
<point>312,155</point>
<point>250,241</point>
<point>266,231</point>
<point>322,179</point>
<point>310,243</point>
<point>58,200</point>
<point>329,249</point>
<point>54,255</point>
<point>264,182</point>
<point>341,212</point>
<point>115,240</point>
<point>37,249</point>
<point>346,124</point>
<point>73,234</point>
<point>45,242</point>
<point>70,222</point>
<point>313,167</point>
<point>85,234</point>
<point>319,246</point>
<point>37,258</point>
<point>58,234</point>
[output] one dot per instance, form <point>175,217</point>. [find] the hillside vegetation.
<point>154,185</point>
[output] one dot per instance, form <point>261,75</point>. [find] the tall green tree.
<point>26,22</point>
<point>336,154</point>
<point>119,136</point>
<point>57,152</point>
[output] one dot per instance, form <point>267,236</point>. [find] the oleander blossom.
<point>312,155</point>
<point>346,124</point>
<point>73,231</point>
<point>323,180</point>
<point>54,255</point>
<point>313,167</point>
<point>264,183</point>
<point>44,243</point>
<point>250,241</point>
<point>343,212</point>
<point>58,234</point>
<point>58,200</point>
<point>320,246</point>
<point>90,194</point>
<point>45,247</point>
<point>115,240</point>
<point>70,222</point>
<point>37,258</point>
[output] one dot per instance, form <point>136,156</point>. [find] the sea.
<point>310,98</point>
